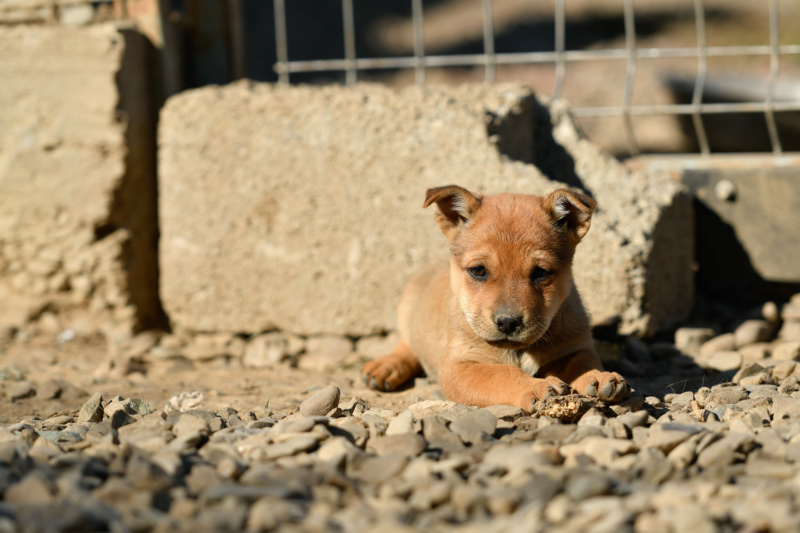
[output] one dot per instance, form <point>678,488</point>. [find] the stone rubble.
<point>697,447</point>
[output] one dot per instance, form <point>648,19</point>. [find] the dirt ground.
<point>85,363</point>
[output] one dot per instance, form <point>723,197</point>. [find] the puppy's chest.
<point>524,360</point>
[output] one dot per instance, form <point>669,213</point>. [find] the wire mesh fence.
<point>766,104</point>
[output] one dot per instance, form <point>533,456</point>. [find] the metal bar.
<point>281,47</point>
<point>683,109</point>
<point>488,41</point>
<point>351,72</point>
<point>560,45</point>
<point>630,45</point>
<point>526,57</point>
<point>700,79</point>
<point>235,23</point>
<point>419,41</point>
<point>774,66</point>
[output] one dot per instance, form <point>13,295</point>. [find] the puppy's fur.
<point>503,323</point>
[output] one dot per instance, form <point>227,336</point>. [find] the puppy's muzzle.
<point>508,324</point>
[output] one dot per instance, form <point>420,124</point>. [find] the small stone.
<point>724,396</point>
<point>446,409</point>
<point>92,410</point>
<point>377,470</point>
<point>322,402</point>
<point>785,407</point>
<point>750,369</point>
<point>581,486</point>
<point>506,413</point>
<point>683,399</point>
<point>33,489</point>
<point>408,444</point>
<point>771,313</point>
<point>689,340</point>
<point>723,452</point>
<point>722,343</point>
<point>723,361</point>
<point>762,378</point>
<point>790,331</point>
<point>21,389</point>
<point>291,447</point>
<point>147,475</point>
<point>337,449</point>
<point>786,351</point>
<point>49,390</point>
<point>475,427</point>
<point>401,424</point>
<point>755,352</point>
<point>783,370</point>
<point>752,331</point>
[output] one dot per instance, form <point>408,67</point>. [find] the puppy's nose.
<point>508,324</point>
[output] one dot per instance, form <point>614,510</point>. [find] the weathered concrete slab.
<point>77,174</point>
<point>300,207</point>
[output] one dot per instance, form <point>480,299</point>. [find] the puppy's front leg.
<point>485,384</point>
<point>584,372</point>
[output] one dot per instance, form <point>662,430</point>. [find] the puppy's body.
<point>501,322</point>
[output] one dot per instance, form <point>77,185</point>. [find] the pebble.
<point>722,361</point>
<point>475,427</point>
<point>401,424</point>
<point>752,331</point>
<point>92,410</point>
<point>786,351</point>
<point>722,343</point>
<point>689,340</point>
<point>321,403</point>
<point>409,444</point>
<point>21,389</point>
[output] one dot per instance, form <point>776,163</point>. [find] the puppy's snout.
<point>508,324</point>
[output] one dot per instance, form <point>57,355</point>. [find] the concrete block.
<point>77,174</point>
<point>299,208</point>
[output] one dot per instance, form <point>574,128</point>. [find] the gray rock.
<point>321,403</point>
<point>689,340</point>
<point>721,343</point>
<point>746,371</point>
<point>446,409</point>
<point>92,410</point>
<point>580,486</point>
<point>337,449</point>
<point>723,361</point>
<point>665,437</point>
<point>409,444</point>
<point>402,423</point>
<point>786,351</point>
<point>725,451</point>
<point>475,427</point>
<point>376,470</point>
<point>147,475</point>
<point>21,389</point>
<point>291,447</point>
<point>752,331</point>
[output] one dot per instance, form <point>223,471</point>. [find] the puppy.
<point>502,321</point>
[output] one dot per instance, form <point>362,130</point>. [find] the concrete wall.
<point>77,175</point>
<point>299,208</point>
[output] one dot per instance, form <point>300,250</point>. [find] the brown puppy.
<point>504,323</point>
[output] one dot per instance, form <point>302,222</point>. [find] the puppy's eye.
<point>478,272</point>
<point>539,274</point>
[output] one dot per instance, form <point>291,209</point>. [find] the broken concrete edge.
<point>95,244</point>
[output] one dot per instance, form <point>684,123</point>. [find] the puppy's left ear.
<point>571,211</point>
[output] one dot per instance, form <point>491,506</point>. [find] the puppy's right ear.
<point>454,207</point>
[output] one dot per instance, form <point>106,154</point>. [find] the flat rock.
<point>786,351</point>
<point>402,423</point>
<point>21,389</point>
<point>446,409</point>
<point>321,403</point>
<point>475,427</point>
<point>92,410</point>
<point>721,343</point>
<point>688,340</point>
<point>723,361</point>
<point>752,331</point>
<point>409,444</point>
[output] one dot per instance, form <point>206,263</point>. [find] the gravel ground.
<point>708,442</point>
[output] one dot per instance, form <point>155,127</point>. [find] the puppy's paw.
<point>606,386</point>
<point>388,373</point>
<point>544,388</point>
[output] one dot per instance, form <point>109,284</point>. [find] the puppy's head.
<point>511,257</point>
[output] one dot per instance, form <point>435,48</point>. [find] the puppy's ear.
<point>454,206</point>
<point>570,211</point>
